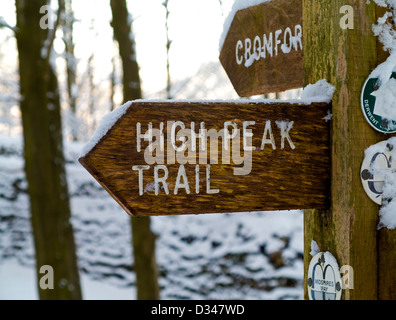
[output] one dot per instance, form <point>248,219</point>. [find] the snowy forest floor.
<point>218,256</point>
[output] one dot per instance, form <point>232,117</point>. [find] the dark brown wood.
<point>281,71</point>
<point>386,238</point>
<point>280,179</point>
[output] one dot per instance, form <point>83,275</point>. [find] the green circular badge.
<point>372,109</point>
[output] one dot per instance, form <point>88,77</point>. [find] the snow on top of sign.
<point>314,248</point>
<point>107,122</point>
<point>319,92</point>
<point>238,5</point>
<point>385,30</point>
<point>328,257</point>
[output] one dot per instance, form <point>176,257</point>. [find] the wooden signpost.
<point>263,49</point>
<point>214,157</point>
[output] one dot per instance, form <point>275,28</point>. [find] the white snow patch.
<point>307,99</point>
<point>385,30</point>
<point>321,91</point>
<point>238,5</point>
<point>314,248</point>
<point>329,116</point>
<point>385,102</point>
<point>107,122</point>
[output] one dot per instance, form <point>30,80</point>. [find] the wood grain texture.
<point>386,238</point>
<point>280,179</point>
<point>349,230</point>
<point>280,72</point>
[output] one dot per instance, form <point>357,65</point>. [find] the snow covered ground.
<point>217,256</point>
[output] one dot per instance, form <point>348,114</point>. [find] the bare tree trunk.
<point>143,238</point>
<point>44,160</point>
<point>67,21</point>
<point>168,45</point>
<point>113,79</point>
<point>90,75</point>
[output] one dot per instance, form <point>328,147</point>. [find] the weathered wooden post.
<point>346,57</point>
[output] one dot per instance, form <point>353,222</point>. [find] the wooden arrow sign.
<point>263,49</point>
<point>167,158</point>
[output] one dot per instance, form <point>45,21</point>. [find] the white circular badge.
<point>324,278</point>
<point>376,101</point>
<point>378,162</point>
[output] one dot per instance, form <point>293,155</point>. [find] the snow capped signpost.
<point>166,158</point>
<point>262,52</point>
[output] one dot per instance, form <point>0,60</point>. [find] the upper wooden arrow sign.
<point>168,158</point>
<point>263,49</point>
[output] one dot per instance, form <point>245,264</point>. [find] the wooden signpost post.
<point>263,49</point>
<point>345,57</point>
<point>213,157</point>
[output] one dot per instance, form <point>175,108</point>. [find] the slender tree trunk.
<point>143,238</point>
<point>44,160</point>
<point>90,75</point>
<point>67,21</point>
<point>113,82</point>
<point>168,46</point>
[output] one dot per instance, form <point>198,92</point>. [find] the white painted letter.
<point>182,174</point>
<point>248,48</point>
<point>285,127</point>
<point>227,135</point>
<point>287,41</point>
<point>247,133</point>
<point>257,48</point>
<point>208,190</point>
<point>297,39</point>
<point>201,136</point>
<point>277,41</point>
<point>140,170</point>
<point>239,59</point>
<point>157,180</point>
<point>197,179</point>
<point>148,136</point>
<point>267,46</point>
<point>271,140</point>
<point>181,139</point>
